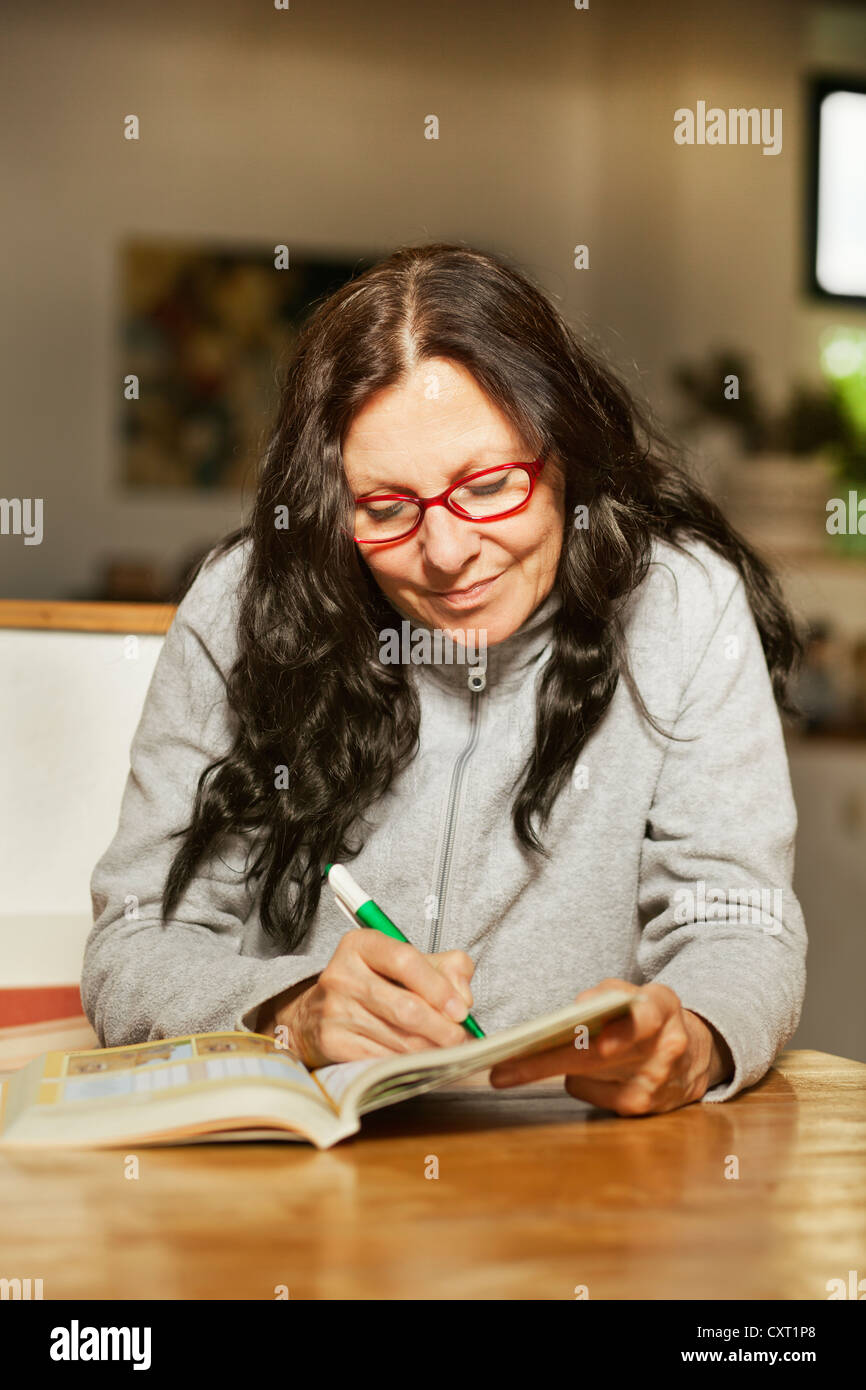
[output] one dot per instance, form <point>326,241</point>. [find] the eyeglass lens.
<point>502,491</point>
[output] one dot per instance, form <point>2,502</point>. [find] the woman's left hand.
<point>658,1057</point>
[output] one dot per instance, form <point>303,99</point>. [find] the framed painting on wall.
<point>204,332</point>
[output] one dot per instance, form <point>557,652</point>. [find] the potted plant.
<point>783,477</point>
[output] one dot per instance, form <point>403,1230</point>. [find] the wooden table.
<point>536,1194</point>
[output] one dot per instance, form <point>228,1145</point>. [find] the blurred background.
<point>184,179</point>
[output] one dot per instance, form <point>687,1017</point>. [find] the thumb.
<point>458,969</point>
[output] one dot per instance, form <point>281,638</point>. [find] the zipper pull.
<point>478,676</point>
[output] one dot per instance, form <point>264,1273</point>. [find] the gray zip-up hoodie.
<point>669,861</point>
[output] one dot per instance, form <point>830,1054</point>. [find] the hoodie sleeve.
<point>144,978</point>
<point>721,925</point>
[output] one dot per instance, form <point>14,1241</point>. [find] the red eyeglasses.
<point>382,517</point>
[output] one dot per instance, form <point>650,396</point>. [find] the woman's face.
<point>423,435</point>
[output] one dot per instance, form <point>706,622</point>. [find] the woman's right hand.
<point>356,1008</point>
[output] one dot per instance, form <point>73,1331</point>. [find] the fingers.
<point>651,1037</point>
<point>458,967</point>
<point>337,1029</point>
<point>558,1061</point>
<point>651,1007</point>
<point>408,1013</point>
<point>638,1095</point>
<point>371,976</point>
<point>348,1030</point>
<point>398,961</point>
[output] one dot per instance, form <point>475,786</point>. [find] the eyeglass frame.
<point>443,499</point>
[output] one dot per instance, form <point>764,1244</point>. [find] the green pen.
<point>361,909</point>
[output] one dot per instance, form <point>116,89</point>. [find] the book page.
<point>149,1068</point>
<point>126,1088</point>
<point>338,1077</point>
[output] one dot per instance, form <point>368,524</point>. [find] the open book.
<point>222,1086</point>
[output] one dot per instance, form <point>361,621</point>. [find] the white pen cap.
<point>346,888</point>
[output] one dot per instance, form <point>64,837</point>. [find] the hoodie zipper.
<point>477,682</point>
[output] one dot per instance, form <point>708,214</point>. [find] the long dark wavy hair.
<point>308,688</point>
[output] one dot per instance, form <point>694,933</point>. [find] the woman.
<point>600,797</point>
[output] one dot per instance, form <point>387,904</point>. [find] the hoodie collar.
<point>477,666</point>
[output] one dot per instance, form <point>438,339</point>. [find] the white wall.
<point>306,127</point>
<point>69,706</point>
